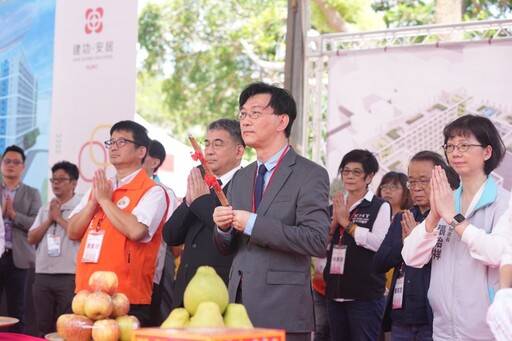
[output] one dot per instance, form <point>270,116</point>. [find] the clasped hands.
<point>226,217</point>
<point>8,208</point>
<point>442,204</point>
<point>101,187</point>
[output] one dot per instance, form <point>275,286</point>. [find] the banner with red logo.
<point>93,80</point>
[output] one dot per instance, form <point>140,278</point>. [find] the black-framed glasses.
<point>389,187</point>
<point>461,147</point>
<point>58,180</point>
<point>422,183</point>
<point>356,172</point>
<point>120,143</point>
<point>12,162</point>
<point>253,115</point>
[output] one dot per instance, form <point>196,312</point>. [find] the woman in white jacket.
<point>462,233</point>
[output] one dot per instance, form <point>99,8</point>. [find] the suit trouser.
<point>52,294</point>
<point>14,281</point>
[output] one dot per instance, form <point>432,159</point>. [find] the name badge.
<point>93,246</point>
<point>53,245</point>
<point>339,252</point>
<point>398,293</point>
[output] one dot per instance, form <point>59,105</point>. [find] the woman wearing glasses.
<point>393,188</point>
<point>463,234</point>
<point>408,314</point>
<point>355,294</point>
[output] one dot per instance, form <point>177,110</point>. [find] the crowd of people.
<point>420,258</point>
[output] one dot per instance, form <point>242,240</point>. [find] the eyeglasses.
<point>215,144</point>
<point>390,187</point>
<point>58,180</point>
<point>423,183</point>
<point>253,115</point>
<point>120,143</point>
<point>461,147</point>
<point>14,162</point>
<point>356,172</point>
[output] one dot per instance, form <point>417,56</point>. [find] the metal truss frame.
<point>320,48</point>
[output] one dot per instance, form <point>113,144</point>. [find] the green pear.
<point>236,316</point>
<point>207,315</point>
<point>205,286</point>
<point>179,317</point>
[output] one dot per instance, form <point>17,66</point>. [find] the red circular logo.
<point>93,19</point>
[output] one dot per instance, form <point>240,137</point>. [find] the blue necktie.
<point>258,188</point>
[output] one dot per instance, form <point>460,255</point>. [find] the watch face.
<point>459,218</point>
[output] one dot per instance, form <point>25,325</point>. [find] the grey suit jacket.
<point>27,203</point>
<point>273,265</point>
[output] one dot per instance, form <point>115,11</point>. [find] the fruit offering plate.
<point>7,321</point>
<point>53,337</point>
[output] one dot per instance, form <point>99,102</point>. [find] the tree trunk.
<point>448,11</point>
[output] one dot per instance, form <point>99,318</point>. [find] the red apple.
<point>105,281</point>
<point>105,330</point>
<point>126,324</point>
<point>121,305</point>
<point>77,305</point>
<point>74,327</point>
<point>98,306</point>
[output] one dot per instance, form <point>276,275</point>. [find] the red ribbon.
<point>211,181</point>
<point>198,156</point>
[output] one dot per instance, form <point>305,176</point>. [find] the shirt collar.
<point>272,161</point>
<point>127,179</point>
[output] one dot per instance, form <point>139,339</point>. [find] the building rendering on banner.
<point>18,100</point>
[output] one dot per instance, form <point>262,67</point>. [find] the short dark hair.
<point>229,125</point>
<point>364,157</point>
<point>484,131</point>
<point>14,148</point>
<point>70,168</point>
<point>437,160</point>
<point>157,151</point>
<point>281,100</point>
<point>397,178</point>
<point>140,134</point>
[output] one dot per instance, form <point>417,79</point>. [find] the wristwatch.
<point>457,219</point>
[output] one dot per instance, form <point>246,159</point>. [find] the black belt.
<point>7,252</point>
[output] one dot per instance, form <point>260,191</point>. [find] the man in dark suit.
<point>20,204</point>
<point>192,223</point>
<point>278,218</point>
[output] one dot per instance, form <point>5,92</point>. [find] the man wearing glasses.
<point>54,282</point>
<point>20,204</point>
<point>278,218</point>
<point>119,220</point>
<point>192,223</point>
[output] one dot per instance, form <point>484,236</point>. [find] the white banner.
<point>396,102</point>
<point>93,80</point>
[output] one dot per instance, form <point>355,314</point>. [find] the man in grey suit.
<point>278,218</point>
<point>20,204</point>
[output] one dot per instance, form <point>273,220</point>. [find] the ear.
<point>369,178</point>
<point>141,152</point>
<point>240,152</point>
<point>487,152</point>
<point>282,122</point>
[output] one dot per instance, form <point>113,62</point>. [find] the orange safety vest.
<point>133,262</point>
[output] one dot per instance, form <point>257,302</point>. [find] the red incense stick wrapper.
<point>209,178</point>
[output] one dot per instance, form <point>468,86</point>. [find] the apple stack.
<point>206,304</point>
<point>100,313</point>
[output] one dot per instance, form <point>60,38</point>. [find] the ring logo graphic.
<point>93,19</point>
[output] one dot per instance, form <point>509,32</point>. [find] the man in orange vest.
<point>120,219</point>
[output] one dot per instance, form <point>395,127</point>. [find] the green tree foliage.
<point>200,55</point>
<point>399,13</point>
